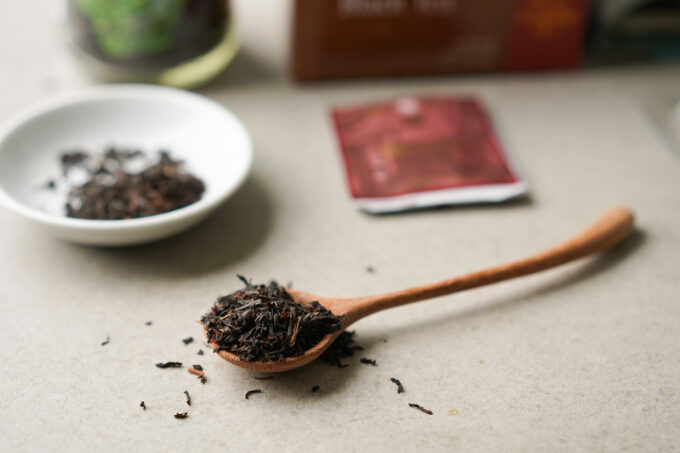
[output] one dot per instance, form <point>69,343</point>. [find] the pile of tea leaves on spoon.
<point>262,323</point>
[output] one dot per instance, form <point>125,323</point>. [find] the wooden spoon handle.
<point>611,228</point>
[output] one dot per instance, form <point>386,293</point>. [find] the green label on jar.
<point>132,28</point>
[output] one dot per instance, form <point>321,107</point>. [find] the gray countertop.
<point>581,358</point>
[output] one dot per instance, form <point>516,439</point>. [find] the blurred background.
<point>188,43</point>
<point>353,38</point>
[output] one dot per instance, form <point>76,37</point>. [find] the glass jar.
<point>180,43</point>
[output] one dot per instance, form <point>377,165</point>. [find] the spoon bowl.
<point>608,230</point>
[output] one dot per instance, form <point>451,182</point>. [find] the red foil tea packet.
<point>414,152</point>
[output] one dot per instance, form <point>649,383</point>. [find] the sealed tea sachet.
<point>415,152</point>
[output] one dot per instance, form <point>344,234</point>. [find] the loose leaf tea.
<point>200,352</point>
<point>181,415</point>
<point>262,323</point>
<point>112,191</point>
<point>315,389</point>
<point>142,405</point>
<point>201,375</point>
<point>188,398</point>
<point>197,367</point>
<point>366,361</point>
<point>400,388</point>
<point>187,340</point>
<point>148,323</point>
<point>252,392</point>
<point>420,408</point>
<point>107,341</point>
<point>342,348</point>
<point>169,365</point>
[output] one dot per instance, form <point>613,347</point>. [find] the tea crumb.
<point>181,415</point>
<point>366,361</point>
<point>400,388</point>
<point>148,323</point>
<point>200,352</point>
<point>252,392</point>
<point>142,405</point>
<point>370,269</point>
<point>72,159</point>
<point>187,340</point>
<point>188,398</point>
<point>197,367</point>
<point>169,365</point>
<point>105,342</point>
<point>201,375</point>
<point>315,389</point>
<point>420,408</point>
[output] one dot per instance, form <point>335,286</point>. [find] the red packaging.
<point>424,151</point>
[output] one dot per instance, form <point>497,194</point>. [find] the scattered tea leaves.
<point>148,323</point>
<point>188,398</point>
<point>200,352</point>
<point>366,361</point>
<point>370,269</point>
<point>107,341</point>
<point>169,365</point>
<point>262,323</point>
<point>400,388</point>
<point>181,415</point>
<point>142,405</point>
<point>252,392</point>
<point>197,367</point>
<point>187,340</point>
<point>315,389</point>
<point>420,408</point>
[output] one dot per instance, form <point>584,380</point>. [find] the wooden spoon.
<point>607,231</point>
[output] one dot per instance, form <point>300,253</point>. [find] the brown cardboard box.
<point>354,38</point>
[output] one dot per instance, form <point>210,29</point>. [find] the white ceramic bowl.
<point>211,140</point>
